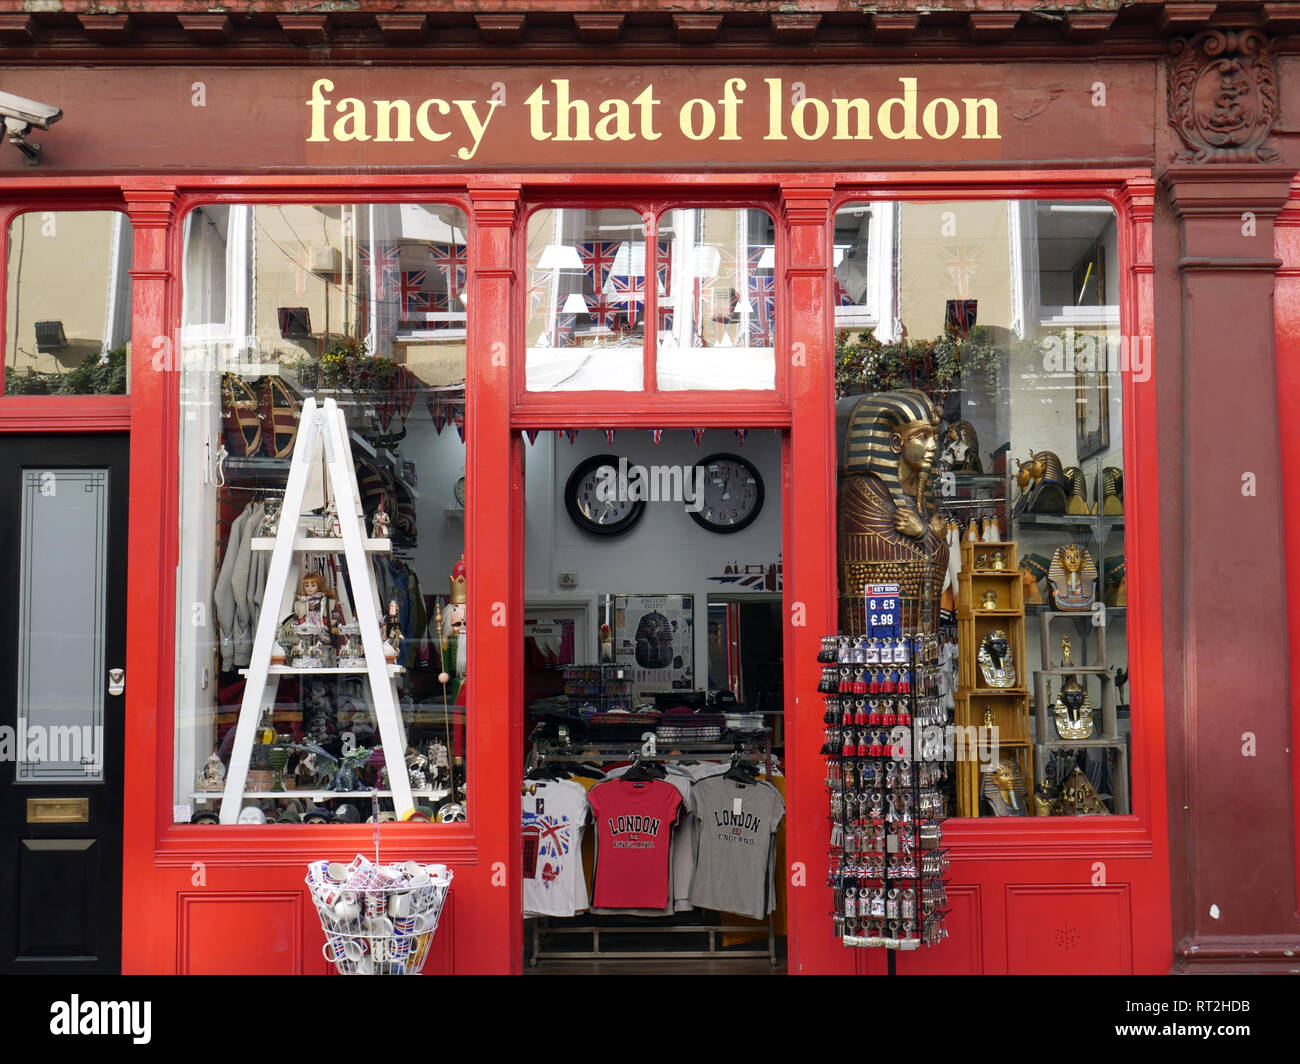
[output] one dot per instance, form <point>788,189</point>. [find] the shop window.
<point>586,300</point>
<point>68,304</point>
<point>305,680</point>
<point>708,287</point>
<point>717,317</point>
<point>981,469</point>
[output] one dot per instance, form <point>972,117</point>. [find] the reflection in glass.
<point>68,304</point>
<point>366,305</point>
<point>586,300</point>
<point>717,315</point>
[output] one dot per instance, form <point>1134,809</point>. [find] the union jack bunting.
<point>609,436</point>
<point>762,295</point>
<point>664,266</point>
<point>697,435</point>
<point>656,435</point>
<point>532,434</point>
<point>387,266</point>
<point>740,436</point>
<point>414,299</point>
<point>453,260</point>
<point>760,332</point>
<point>603,312</point>
<point>842,298</point>
<point>631,292</point>
<point>597,260</point>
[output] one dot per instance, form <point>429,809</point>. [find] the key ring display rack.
<point>887,755</point>
<point>378,919</point>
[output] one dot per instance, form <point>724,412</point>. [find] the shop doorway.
<point>63,609</point>
<point>641,551</point>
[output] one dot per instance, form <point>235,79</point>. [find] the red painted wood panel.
<point>1061,929</point>
<point>270,938</point>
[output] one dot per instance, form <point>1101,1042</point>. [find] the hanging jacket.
<point>223,595</point>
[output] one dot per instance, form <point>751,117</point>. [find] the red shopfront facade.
<point>1156,890</point>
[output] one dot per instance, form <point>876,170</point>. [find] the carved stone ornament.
<point>1223,96</point>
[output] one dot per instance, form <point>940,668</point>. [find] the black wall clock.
<point>733,494</point>
<point>585,497</point>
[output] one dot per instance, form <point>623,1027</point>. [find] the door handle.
<point>116,681</point>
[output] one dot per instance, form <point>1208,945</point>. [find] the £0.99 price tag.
<point>884,617</point>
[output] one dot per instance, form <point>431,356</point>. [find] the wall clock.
<point>585,497</point>
<point>733,494</point>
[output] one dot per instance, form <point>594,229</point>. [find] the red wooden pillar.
<point>1234,898</point>
<point>809,550</point>
<point>155,359</point>
<point>494,544</point>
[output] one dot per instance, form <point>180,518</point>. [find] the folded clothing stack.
<point>683,723</point>
<point>621,726</point>
<point>744,722</point>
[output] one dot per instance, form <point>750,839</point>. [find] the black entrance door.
<point>63,644</point>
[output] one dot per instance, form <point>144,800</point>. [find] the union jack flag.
<point>629,290</point>
<point>762,296</point>
<point>453,260</point>
<point>665,316</point>
<point>842,298</point>
<point>414,299</point>
<point>539,292</point>
<point>387,266</point>
<point>664,265</point>
<point>597,260</point>
<point>603,312</point>
<point>760,332</point>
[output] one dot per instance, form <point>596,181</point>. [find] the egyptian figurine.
<point>888,530</point>
<point>997,667</point>
<point>1073,577</point>
<point>1072,713</point>
<point>1004,790</point>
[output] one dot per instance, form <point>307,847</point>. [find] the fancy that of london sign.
<point>519,118</point>
<point>556,110</point>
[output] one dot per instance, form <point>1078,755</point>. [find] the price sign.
<point>884,611</point>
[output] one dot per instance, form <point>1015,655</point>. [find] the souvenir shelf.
<point>321,468</point>
<point>978,705</point>
<point>604,686</point>
<point>1099,682</point>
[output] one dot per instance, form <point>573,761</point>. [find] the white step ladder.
<point>322,436</point>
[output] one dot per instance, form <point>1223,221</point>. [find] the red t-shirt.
<point>634,824</point>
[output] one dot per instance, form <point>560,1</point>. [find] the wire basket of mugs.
<point>378,919</point>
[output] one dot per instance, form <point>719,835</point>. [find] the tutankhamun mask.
<point>888,529</point>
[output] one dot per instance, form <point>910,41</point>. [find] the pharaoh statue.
<point>889,531</point>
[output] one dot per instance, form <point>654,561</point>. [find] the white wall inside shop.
<point>667,553</point>
<point>440,461</point>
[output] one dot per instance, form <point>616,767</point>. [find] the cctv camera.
<point>16,109</point>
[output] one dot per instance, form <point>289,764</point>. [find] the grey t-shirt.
<point>735,845</point>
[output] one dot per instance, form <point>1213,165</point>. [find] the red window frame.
<point>751,408</point>
<point>57,413</point>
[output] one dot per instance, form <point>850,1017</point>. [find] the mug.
<point>347,948</point>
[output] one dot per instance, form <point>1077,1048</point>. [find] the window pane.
<point>68,304</point>
<point>717,313</point>
<point>361,306</point>
<point>63,583</point>
<point>586,300</point>
<point>981,468</point>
